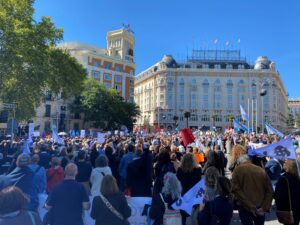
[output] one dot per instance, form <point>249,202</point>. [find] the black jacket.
<point>189,179</point>
<point>282,198</point>
<point>103,215</point>
<point>157,209</point>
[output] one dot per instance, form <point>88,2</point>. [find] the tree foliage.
<point>105,108</point>
<point>30,63</point>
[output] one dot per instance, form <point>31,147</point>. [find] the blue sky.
<point>265,27</point>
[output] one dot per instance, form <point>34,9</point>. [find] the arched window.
<point>229,83</point>
<point>194,82</point>
<point>241,82</point>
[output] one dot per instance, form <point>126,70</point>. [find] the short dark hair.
<point>101,161</point>
<point>81,155</point>
<point>224,188</point>
<point>12,199</point>
<point>109,185</point>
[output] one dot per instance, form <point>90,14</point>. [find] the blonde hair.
<point>188,163</point>
<point>237,151</point>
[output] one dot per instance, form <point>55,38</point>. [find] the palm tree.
<point>187,115</point>
<point>214,117</point>
<point>175,118</point>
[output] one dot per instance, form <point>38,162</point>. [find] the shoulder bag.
<point>113,210</point>
<point>286,217</point>
<point>171,217</point>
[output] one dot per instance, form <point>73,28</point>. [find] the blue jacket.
<point>126,159</point>
<point>273,169</point>
<point>212,210</point>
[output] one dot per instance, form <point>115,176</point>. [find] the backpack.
<point>170,217</point>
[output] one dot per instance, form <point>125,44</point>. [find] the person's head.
<point>211,176</point>
<point>55,161</point>
<point>130,148</point>
<point>101,161</point>
<point>35,158</point>
<point>81,155</point>
<point>237,151</point>
<point>23,160</point>
<point>109,185</point>
<point>71,171</point>
<point>188,163</point>
<point>164,157</point>
<point>290,167</point>
<point>172,186</point>
<point>223,188</point>
<point>12,199</point>
<point>173,157</point>
<point>243,159</point>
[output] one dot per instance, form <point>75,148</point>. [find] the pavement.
<point>271,218</point>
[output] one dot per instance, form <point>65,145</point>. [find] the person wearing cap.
<point>22,177</point>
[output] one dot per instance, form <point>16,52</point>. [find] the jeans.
<point>247,218</point>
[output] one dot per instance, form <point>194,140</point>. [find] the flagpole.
<point>256,116</point>
<point>248,116</point>
<point>252,115</point>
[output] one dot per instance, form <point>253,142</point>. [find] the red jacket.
<point>54,176</point>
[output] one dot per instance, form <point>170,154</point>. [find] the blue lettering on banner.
<point>200,193</point>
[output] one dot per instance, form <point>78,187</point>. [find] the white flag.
<point>193,197</point>
<point>216,41</point>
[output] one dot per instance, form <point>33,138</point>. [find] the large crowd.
<point>159,166</point>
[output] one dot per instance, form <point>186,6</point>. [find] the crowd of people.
<point>159,166</point>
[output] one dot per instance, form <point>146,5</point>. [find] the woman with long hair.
<point>211,214</point>
<point>189,174</point>
<point>287,190</point>
<point>170,193</point>
<point>236,152</point>
<point>111,206</point>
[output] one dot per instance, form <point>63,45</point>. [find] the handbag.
<point>170,217</point>
<point>286,217</point>
<point>113,210</point>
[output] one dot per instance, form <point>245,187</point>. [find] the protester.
<point>55,174</point>
<point>218,211</point>
<point>13,208</point>
<point>126,159</point>
<point>211,177</point>
<point>237,151</point>
<point>111,206</point>
<point>287,192</point>
<point>170,193</point>
<point>67,200</point>
<point>23,177</point>
<point>189,174</point>
<point>102,169</point>
<point>84,171</point>
<point>39,179</point>
<point>253,191</point>
<point>162,166</point>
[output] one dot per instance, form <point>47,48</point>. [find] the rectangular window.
<point>107,85</point>
<point>107,66</point>
<point>47,110</point>
<point>118,87</point>
<point>118,79</point>
<point>106,77</point>
<point>95,63</point>
<point>118,68</point>
<point>96,75</point>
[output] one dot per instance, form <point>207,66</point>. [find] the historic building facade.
<point>294,107</point>
<point>211,85</point>
<point>113,66</point>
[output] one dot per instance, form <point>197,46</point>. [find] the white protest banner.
<point>193,197</point>
<point>101,137</point>
<point>82,134</point>
<point>36,134</point>
<point>137,205</point>
<point>30,129</point>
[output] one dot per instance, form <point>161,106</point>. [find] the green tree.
<point>290,121</point>
<point>30,63</point>
<point>298,119</point>
<point>105,108</point>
